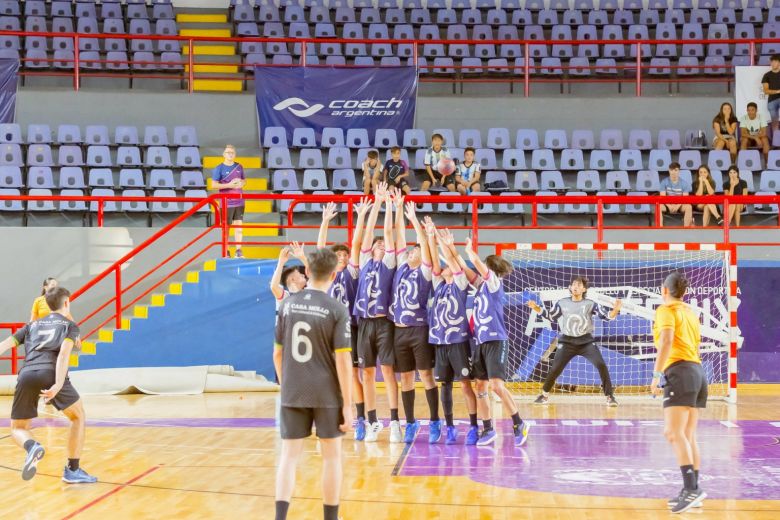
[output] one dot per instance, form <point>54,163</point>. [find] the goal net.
<point>633,273</point>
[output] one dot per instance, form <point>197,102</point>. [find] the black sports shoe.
<point>542,399</point>
<point>688,499</point>
<point>673,501</point>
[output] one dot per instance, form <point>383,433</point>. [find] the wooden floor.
<point>213,456</point>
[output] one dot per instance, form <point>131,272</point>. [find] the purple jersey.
<point>447,317</point>
<point>375,285</point>
<point>489,310</point>
<point>224,174</point>
<point>344,288</point>
<point>411,289</point>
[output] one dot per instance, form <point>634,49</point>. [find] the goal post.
<point>634,273</point>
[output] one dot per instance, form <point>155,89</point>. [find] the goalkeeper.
<point>575,321</point>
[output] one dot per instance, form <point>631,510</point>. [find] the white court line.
<point>729,424</point>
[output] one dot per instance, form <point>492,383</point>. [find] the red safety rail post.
<point>76,71</point>
<point>752,53</point>
<point>350,221</point>
<point>118,295</point>
<point>474,221</point>
<point>726,220</point>
<point>303,54</point>
<point>600,221</point>
<point>100,213</point>
<point>191,65</point>
<point>225,227</point>
<point>527,72</point>
<point>13,357</point>
<point>414,55</point>
<point>638,69</point>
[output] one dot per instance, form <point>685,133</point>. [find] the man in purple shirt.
<point>449,329</point>
<point>491,336</point>
<point>372,307</point>
<point>228,177</point>
<point>344,289</point>
<point>409,312</point>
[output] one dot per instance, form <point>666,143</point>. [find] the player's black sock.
<point>446,402</point>
<point>689,477</point>
<point>361,410</point>
<point>330,512</point>
<point>73,464</point>
<point>28,445</point>
<point>407,396</point>
<point>487,424</point>
<point>516,421</point>
<point>372,416</point>
<point>696,477</point>
<point>432,395</point>
<point>393,414</point>
<point>281,509</point>
<point>473,419</point>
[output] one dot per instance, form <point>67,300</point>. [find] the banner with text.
<point>749,88</point>
<point>338,97</point>
<point>8,82</point>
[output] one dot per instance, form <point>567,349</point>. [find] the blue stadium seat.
<point>630,160</point>
<point>131,178</point>
<point>648,181</point>
<point>189,179</point>
<point>11,133</point>
<point>338,158</point>
<point>39,155</point>
<point>601,160</point>
<point>310,158</point>
<point>161,178</point>
<point>572,160</point>
<point>659,160</point>
<point>11,177</point>
<point>70,155</point>
<point>617,180</point>
<point>552,180</point>
<point>582,139</point>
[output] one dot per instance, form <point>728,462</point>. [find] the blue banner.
<point>338,97</point>
<point>8,83</point>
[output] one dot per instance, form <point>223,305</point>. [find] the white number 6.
<point>298,338</point>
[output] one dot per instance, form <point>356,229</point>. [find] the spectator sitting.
<point>468,173</point>
<point>396,171</point>
<point>735,185</point>
<point>372,168</point>
<point>433,155</point>
<point>753,130</point>
<point>725,126</point>
<point>674,185</point>
<point>705,185</point>
<point>771,87</point>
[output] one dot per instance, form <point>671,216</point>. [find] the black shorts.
<point>490,361</point>
<point>400,184</point>
<point>296,423</point>
<point>354,339</point>
<point>453,361</point>
<point>29,385</point>
<point>412,350</point>
<point>686,385</point>
<point>375,342</point>
<point>235,213</point>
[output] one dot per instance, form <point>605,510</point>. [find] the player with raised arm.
<point>490,332</point>
<point>372,307</point>
<point>48,343</point>
<point>313,363</point>
<point>449,330</point>
<point>409,312</point>
<point>574,316</point>
<point>344,288</point>
<point>677,335</point>
<point>287,280</point>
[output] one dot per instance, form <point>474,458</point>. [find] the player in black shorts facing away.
<point>344,288</point>
<point>314,366</point>
<point>574,316</point>
<point>449,329</point>
<point>48,343</point>
<point>677,337</point>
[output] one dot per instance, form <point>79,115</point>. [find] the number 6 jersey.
<point>312,327</point>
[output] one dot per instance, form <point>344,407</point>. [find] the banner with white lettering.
<point>9,80</point>
<point>338,97</point>
<point>749,88</point>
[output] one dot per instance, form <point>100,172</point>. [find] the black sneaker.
<point>688,499</point>
<point>673,501</point>
<point>542,399</point>
<point>611,402</point>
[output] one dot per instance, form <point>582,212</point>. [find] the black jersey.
<point>43,338</point>
<point>312,327</point>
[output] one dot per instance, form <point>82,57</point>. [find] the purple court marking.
<point>228,422</point>
<point>627,458</point>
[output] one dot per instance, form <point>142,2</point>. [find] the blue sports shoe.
<point>411,432</point>
<point>521,433</point>
<point>434,433</point>
<point>360,430</point>
<point>452,435</point>
<point>34,456</point>
<point>487,437</point>
<point>472,436</point>
<point>77,477</point>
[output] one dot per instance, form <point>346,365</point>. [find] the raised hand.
<point>445,237</point>
<point>469,245</point>
<point>364,206</point>
<point>381,192</point>
<point>430,228</point>
<point>410,212</point>
<point>296,249</point>
<point>397,197</point>
<point>284,255</point>
<point>329,212</point>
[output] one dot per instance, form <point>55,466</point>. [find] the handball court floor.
<point>214,456</point>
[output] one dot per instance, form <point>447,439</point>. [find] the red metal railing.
<point>14,356</point>
<point>113,309</point>
<point>524,69</point>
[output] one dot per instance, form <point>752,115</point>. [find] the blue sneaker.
<point>411,432</point>
<point>434,433</point>
<point>34,456</point>
<point>77,477</point>
<point>472,436</point>
<point>521,433</point>
<point>452,435</point>
<point>360,430</point>
<point>488,437</point>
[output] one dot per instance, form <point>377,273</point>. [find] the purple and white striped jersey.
<point>489,310</point>
<point>411,290</point>
<point>344,288</point>
<point>448,319</point>
<point>375,285</point>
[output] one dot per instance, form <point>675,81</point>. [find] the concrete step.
<point>202,18</point>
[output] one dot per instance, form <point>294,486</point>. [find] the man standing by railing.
<point>228,177</point>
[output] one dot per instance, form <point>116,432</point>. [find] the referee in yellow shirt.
<point>677,338</point>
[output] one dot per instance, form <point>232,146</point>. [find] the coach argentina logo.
<point>307,111</point>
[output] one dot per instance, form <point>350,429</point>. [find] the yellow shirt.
<point>39,308</point>
<point>687,337</point>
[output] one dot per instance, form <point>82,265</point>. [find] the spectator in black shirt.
<point>734,185</point>
<point>725,126</point>
<point>771,84</point>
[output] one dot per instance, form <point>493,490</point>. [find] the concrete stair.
<point>218,62</point>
